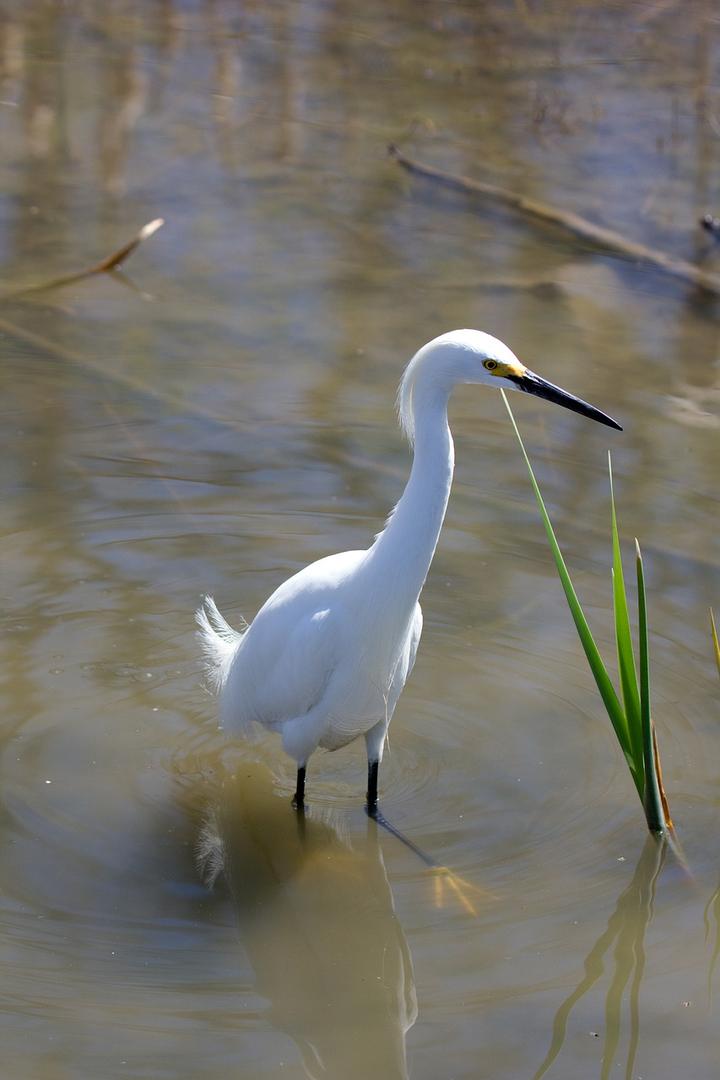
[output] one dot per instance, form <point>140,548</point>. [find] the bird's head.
<point>471,356</point>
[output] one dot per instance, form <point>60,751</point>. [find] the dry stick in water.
<point>132,382</point>
<point>601,237</point>
<point>112,262</point>
<point>106,370</point>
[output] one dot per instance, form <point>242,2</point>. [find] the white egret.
<point>326,657</point>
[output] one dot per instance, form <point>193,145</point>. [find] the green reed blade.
<point>623,640</point>
<point>607,690</point>
<point>652,800</point>
<point>716,643</point>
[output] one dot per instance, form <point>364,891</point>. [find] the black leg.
<point>371,808</point>
<point>372,795</point>
<point>299,796</point>
<point>380,819</point>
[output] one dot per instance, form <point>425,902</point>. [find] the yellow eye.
<point>490,365</point>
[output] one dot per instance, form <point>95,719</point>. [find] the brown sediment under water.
<point>222,413</point>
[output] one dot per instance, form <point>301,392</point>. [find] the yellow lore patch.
<point>499,367</point>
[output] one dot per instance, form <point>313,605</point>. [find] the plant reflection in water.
<point>625,935</point>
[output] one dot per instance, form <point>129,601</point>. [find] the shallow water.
<point>223,414</point>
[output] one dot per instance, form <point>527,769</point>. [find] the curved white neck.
<point>402,553</point>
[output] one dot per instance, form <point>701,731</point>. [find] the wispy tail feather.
<point>218,640</point>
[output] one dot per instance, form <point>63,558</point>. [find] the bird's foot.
<point>464,891</point>
<point>444,878</point>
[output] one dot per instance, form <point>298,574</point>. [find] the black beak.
<point>533,384</point>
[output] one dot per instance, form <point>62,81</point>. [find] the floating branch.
<point>112,262</point>
<point>598,235</point>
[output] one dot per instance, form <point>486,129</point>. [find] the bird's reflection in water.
<point>316,918</point>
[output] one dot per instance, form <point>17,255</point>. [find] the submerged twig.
<point>598,235</point>
<point>112,262</point>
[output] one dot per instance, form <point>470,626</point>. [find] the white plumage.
<point>326,657</point>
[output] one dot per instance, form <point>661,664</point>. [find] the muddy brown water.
<point>223,414</point>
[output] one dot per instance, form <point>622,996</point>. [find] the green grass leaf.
<point>602,679</point>
<point>623,640</point>
<point>652,798</point>
<point>716,643</point>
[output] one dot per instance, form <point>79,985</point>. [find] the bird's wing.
<point>291,650</point>
<point>407,660</point>
<point>277,678</point>
<point>415,634</point>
